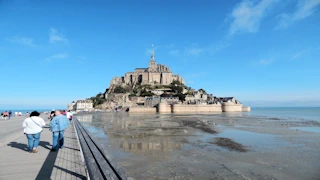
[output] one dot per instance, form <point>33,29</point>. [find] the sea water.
<point>297,113</point>
<point>164,146</point>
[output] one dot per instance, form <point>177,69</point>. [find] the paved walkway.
<point>17,163</point>
<point>12,128</point>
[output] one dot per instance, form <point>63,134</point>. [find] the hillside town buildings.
<point>81,105</point>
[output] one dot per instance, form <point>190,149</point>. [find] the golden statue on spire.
<point>152,52</point>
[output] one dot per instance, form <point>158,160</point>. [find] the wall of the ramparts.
<point>142,110</point>
<point>231,107</point>
<point>246,109</point>
<point>164,108</point>
<point>177,108</point>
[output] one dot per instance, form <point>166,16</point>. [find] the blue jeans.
<point>57,136</point>
<point>33,140</point>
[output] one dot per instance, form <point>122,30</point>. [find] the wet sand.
<point>209,146</point>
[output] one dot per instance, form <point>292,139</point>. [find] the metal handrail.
<point>100,164</point>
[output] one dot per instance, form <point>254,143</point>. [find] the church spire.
<point>152,54</point>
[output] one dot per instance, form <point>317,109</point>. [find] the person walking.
<point>5,114</point>
<point>52,114</point>
<point>10,113</point>
<point>69,115</point>
<point>58,125</point>
<point>33,128</point>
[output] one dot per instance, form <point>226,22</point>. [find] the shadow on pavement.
<point>48,165</point>
<point>24,147</point>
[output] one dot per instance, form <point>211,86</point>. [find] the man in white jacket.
<point>33,128</point>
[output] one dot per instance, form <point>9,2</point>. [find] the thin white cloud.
<point>193,50</point>
<point>55,36</point>
<point>217,47</point>
<point>304,8</point>
<point>22,41</point>
<point>247,15</point>
<point>265,62</point>
<point>57,56</point>
<point>299,54</point>
<point>174,52</point>
<point>304,52</point>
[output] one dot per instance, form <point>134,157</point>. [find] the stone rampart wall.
<point>177,108</point>
<point>246,109</point>
<point>142,110</point>
<point>164,108</point>
<point>231,107</point>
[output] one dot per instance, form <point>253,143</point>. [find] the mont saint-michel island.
<point>229,91</point>
<point>157,89</point>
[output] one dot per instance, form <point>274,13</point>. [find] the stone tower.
<point>152,62</point>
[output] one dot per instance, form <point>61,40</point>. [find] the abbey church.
<point>154,74</point>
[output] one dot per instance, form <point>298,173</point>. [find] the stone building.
<point>154,74</point>
<point>84,105</point>
<point>197,97</point>
<point>152,101</point>
<point>227,99</point>
<point>169,99</point>
<point>72,106</point>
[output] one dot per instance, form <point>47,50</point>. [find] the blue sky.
<point>263,52</point>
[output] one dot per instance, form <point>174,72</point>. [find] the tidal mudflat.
<point>209,146</point>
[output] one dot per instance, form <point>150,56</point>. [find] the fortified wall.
<point>163,107</point>
<point>194,108</point>
<point>231,107</point>
<point>137,109</point>
<point>177,108</point>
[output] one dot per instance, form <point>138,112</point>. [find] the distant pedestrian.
<point>5,115</point>
<point>69,115</point>
<point>16,114</point>
<point>58,125</point>
<point>33,128</point>
<point>51,116</point>
<point>20,113</point>
<point>10,113</point>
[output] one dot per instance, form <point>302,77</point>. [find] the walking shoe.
<point>34,150</point>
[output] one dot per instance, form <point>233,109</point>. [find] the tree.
<point>144,93</point>
<point>119,89</point>
<point>98,99</point>
<point>177,82</point>
<point>204,92</point>
<point>182,97</point>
